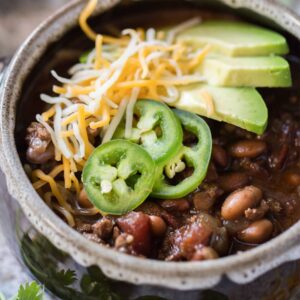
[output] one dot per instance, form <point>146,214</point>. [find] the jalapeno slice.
<point>118,176</point>
<point>157,130</point>
<point>196,157</point>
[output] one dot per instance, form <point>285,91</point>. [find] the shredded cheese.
<point>48,114</point>
<point>147,67</point>
<point>98,59</point>
<point>54,188</point>
<point>76,183</point>
<point>66,213</point>
<point>57,170</point>
<point>209,101</point>
<point>200,57</point>
<point>86,13</point>
<point>102,91</point>
<point>67,172</point>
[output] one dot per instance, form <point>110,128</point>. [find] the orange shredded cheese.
<point>82,128</point>
<point>67,172</point>
<point>66,134</point>
<point>200,57</point>
<point>66,213</point>
<point>105,121</point>
<point>59,90</point>
<point>54,187</point>
<point>209,101</point>
<point>98,59</point>
<point>103,90</point>
<point>76,183</point>
<point>85,14</point>
<point>39,184</point>
<point>48,114</point>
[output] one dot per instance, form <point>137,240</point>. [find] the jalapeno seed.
<point>237,202</point>
<point>257,232</point>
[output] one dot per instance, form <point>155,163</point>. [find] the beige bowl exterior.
<point>240,268</point>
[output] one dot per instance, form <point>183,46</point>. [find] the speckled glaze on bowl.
<point>240,268</point>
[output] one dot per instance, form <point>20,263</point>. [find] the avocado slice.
<point>243,107</point>
<point>260,71</point>
<point>235,38</point>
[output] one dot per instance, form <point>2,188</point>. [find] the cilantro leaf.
<point>66,277</point>
<point>2,297</point>
<point>30,291</point>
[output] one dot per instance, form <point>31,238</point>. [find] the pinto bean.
<point>248,148</point>
<point>204,200</point>
<point>237,202</point>
<point>204,253</point>
<point>233,181</point>
<point>257,232</point>
<point>158,226</point>
<point>178,205</point>
<point>84,200</point>
<point>220,156</point>
<point>292,178</point>
<point>153,209</point>
<point>220,240</point>
<point>233,227</point>
<point>212,174</point>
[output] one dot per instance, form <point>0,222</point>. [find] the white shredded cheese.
<point>137,65</point>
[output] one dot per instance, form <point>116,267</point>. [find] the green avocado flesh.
<point>234,38</point>
<point>243,107</point>
<point>261,71</point>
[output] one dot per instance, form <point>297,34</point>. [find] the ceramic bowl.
<point>40,232</point>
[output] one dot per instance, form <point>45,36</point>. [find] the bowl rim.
<point>241,268</point>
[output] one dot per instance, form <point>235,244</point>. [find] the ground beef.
<point>193,228</point>
<point>103,228</point>
<point>257,213</point>
<point>40,148</point>
<point>184,242</point>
